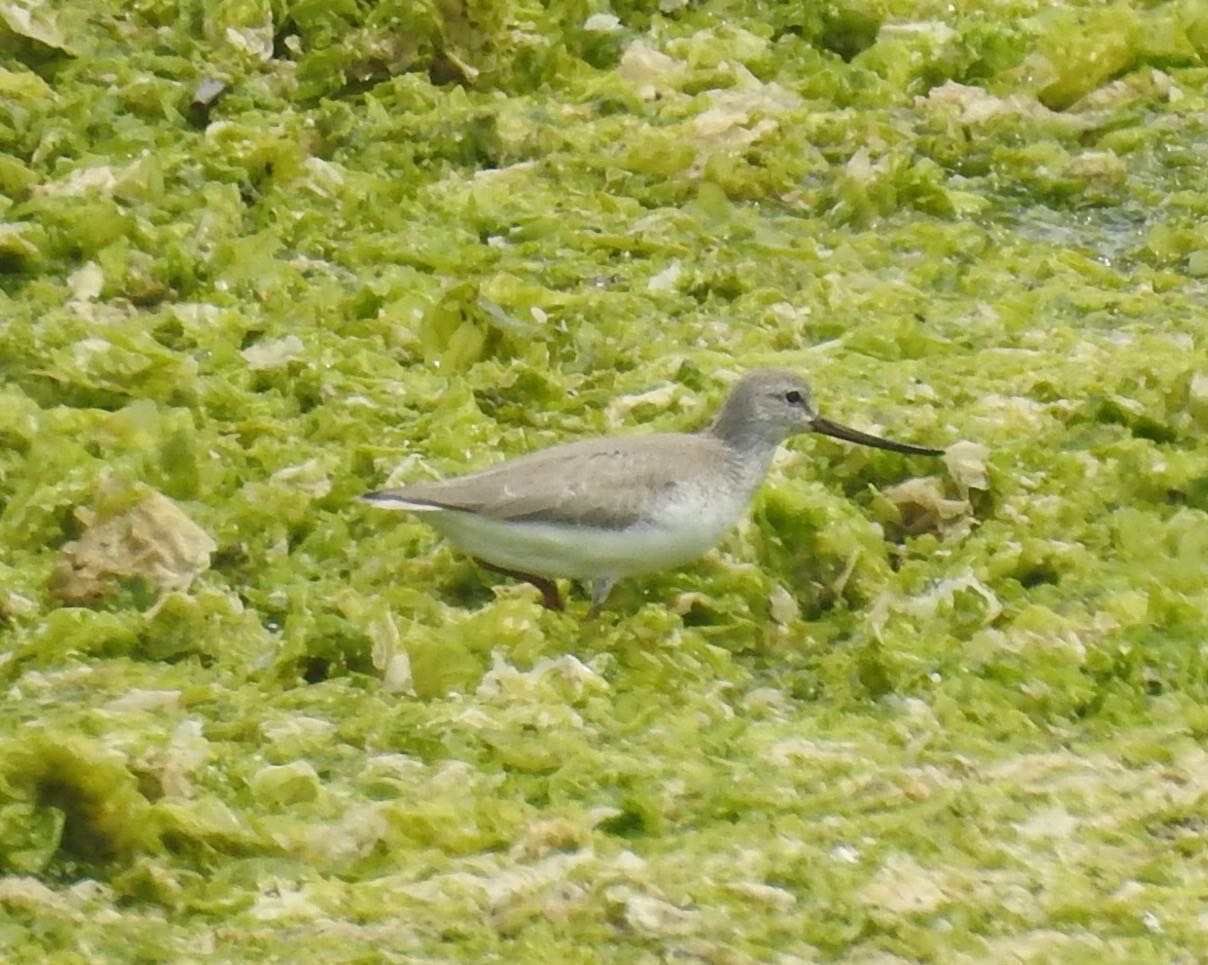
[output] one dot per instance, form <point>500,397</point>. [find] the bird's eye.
<point>793,397</point>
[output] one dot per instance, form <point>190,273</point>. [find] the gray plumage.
<point>609,483</point>
<point>604,508</point>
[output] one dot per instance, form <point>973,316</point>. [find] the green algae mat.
<point>259,256</point>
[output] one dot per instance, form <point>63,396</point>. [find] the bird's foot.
<point>551,599</point>
<point>599,593</point>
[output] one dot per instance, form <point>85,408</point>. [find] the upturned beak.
<point>833,429</point>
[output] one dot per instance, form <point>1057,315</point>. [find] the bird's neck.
<point>750,455</point>
<point>732,425</point>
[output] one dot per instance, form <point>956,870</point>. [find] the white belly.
<point>553,549</point>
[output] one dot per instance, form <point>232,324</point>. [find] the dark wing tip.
<point>388,496</point>
<point>402,496</point>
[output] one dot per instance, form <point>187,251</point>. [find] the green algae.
<point>947,712</point>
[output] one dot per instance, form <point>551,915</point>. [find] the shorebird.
<point>606,508</point>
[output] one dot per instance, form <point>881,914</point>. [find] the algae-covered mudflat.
<point>259,256</point>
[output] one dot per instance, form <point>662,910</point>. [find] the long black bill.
<point>828,428</point>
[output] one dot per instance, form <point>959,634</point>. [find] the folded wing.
<point>608,483</point>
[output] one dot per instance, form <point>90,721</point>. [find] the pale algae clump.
<point>955,716</point>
